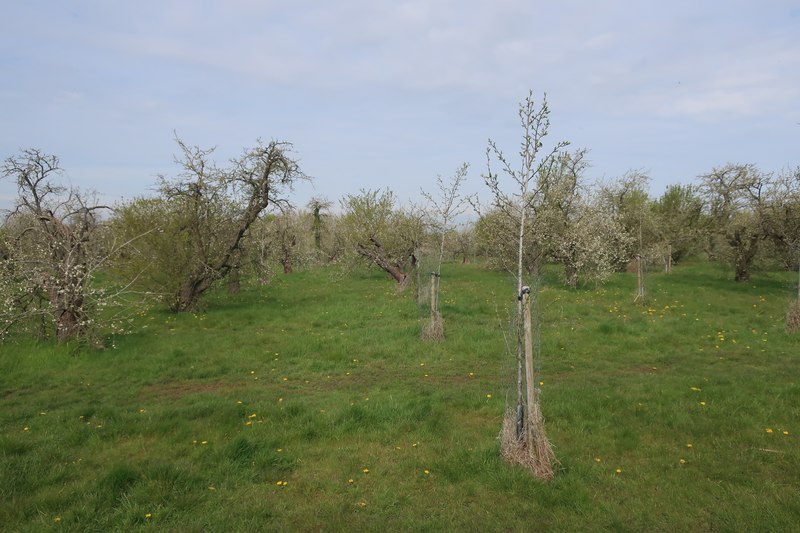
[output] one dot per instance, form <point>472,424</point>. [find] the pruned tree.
<point>204,215</point>
<point>54,244</point>
<point>463,246</point>
<point>283,238</point>
<point>442,209</point>
<point>524,440</point>
<point>781,225</point>
<point>382,234</point>
<point>781,215</point>
<point>736,205</point>
<point>318,206</point>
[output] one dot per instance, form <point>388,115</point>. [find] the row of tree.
<point>67,261</point>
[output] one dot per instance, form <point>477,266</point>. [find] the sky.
<point>391,93</point>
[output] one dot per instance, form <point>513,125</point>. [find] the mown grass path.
<point>312,404</point>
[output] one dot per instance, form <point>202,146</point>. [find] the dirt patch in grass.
<point>179,390</point>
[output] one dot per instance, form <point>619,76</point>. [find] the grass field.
<point>311,404</point>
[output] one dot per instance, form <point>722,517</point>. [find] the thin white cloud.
<point>419,77</point>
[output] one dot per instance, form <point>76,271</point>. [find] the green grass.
<point>190,423</point>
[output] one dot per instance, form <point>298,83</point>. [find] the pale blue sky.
<point>381,93</point>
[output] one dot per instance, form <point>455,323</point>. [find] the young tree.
<point>678,214</point>
<point>627,199</point>
<point>442,209</point>
<point>204,215</point>
<point>591,244</point>
<point>526,442</point>
<point>54,244</point>
<point>561,209</point>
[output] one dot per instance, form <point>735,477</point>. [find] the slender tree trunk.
<point>434,294</point>
<point>640,269</point>
<point>529,378</point>
<point>234,281</point>
<point>520,332</point>
<point>745,249</point>
<point>571,273</point>
<point>668,262</point>
<point>317,229</point>
<point>744,260</point>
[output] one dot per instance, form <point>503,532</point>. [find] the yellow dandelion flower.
<point>248,423</point>
<point>366,470</point>
<point>689,445</point>
<point>785,432</point>
<point>703,404</point>
<point>204,442</point>
<point>427,472</point>
<point>596,459</point>
<point>618,470</point>
<point>769,430</point>
<point>57,519</point>
<point>682,461</point>
<point>148,515</point>
<point>489,396</point>
<point>26,428</point>
<point>350,481</point>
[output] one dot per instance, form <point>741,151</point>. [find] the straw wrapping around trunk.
<point>532,452</point>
